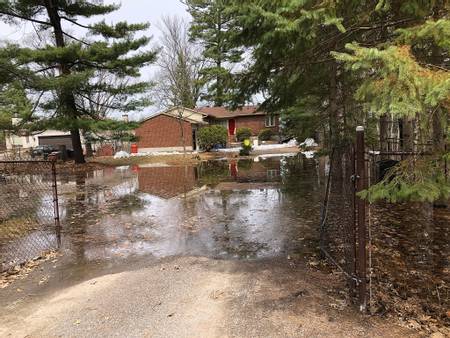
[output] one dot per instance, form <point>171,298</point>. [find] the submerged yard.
<point>223,248</point>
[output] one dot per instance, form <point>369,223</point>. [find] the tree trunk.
<point>334,114</point>
<point>384,136</point>
<point>440,115</point>
<point>67,98</point>
<point>407,135</point>
<point>88,146</point>
<point>438,132</point>
<point>220,83</point>
<point>183,140</point>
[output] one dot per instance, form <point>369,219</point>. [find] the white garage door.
<point>56,141</point>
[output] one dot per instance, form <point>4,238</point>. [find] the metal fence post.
<point>56,203</point>
<point>361,185</point>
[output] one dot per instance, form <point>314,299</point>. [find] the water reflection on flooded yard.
<point>247,209</point>
<point>242,209</point>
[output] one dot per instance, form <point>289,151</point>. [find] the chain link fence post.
<point>361,184</point>
<point>56,202</point>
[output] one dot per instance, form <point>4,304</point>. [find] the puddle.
<point>237,210</point>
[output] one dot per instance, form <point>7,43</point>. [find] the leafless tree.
<point>178,79</point>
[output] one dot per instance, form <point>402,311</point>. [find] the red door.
<point>232,127</point>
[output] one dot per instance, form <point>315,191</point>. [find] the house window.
<point>270,121</point>
<point>273,173</point>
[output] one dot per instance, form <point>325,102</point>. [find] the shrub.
<point>212,136</point>
<point>246,148</point>
<point>265,135</point>
<point>243,134</point>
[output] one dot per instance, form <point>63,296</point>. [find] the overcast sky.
<point>132,11</point>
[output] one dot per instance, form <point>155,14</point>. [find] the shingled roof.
<point>225,113</point>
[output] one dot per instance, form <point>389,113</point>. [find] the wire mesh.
<point>338,241</point>
<point>28,212</point>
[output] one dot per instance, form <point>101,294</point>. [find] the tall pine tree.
<point>400,71</point>
<point>211,27</point>
<point>61,74</point>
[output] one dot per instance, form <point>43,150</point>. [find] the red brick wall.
<point>163,132</point>
<point>255,123</point>
<point>167,182</point>
<point>105,150</point>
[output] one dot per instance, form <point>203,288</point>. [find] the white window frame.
<point>270,121</point>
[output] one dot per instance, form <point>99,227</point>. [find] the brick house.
<point>168,130</point>
<point>246,117</point>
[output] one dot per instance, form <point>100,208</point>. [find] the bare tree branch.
<point>180,64</point>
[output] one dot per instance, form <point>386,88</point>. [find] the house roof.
<point>224,113</point>
<point>184,117</point>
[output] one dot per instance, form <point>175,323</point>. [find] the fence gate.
<point>374,244</point>
<point>29,211</point>
<point>343,238</point>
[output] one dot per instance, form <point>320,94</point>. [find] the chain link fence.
<point>338,236</point>
<point>29,212</point>
<point>16,154</point>
<point>394,255</point>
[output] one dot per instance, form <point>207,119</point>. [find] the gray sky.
<point>132,11</point>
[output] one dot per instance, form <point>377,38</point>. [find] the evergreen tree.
<point>211,27</point>
<point>409,78</point>
<point>60,75</point>
<point>397,64</point>
<point>13,98</point>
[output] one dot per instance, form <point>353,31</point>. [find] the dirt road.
<point>195,297</point>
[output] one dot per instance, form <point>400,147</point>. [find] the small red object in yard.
<point>134,148</point>
<point>53,157</point>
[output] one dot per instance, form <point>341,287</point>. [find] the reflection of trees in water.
<point>212,173</point>
<point>88,206</point>
<point>299,177</point>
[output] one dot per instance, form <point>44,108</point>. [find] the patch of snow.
<point>266,156</point>
<point>263,147</point>
<point>309,142</point>
<point>229,150</point>
<point>154,165</point>
<point>121,154</point>
<point>159,153</point>
<point>309,154</point>
<point>292,143</point>
<point>123,168</point>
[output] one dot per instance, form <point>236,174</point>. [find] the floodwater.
<point>249,209</point>
<point>237,210</point>
<point>240,209</point>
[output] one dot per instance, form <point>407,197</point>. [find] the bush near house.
<point>243,134</point>
<point>212,136</point>
<point>265,135</point>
